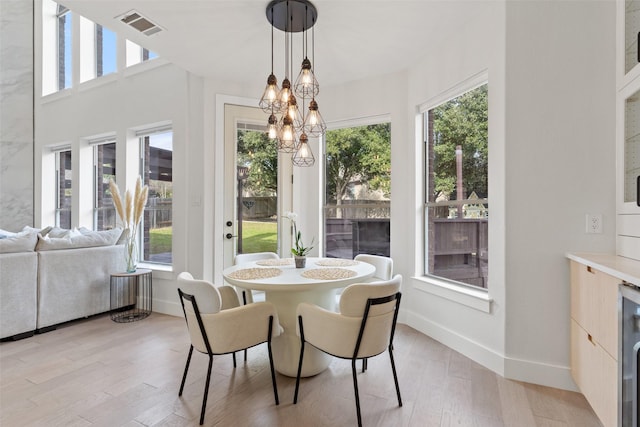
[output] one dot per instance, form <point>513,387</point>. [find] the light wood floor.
<point>97,372</point>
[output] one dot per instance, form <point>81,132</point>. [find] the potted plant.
<point>130,210</point>
<point>298,250</point>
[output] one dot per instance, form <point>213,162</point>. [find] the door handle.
<point>230,236</point>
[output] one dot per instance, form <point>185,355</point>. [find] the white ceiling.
<point>230,40</point>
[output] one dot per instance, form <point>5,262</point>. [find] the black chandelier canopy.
<point>292,16</point>
<point>299,117</point>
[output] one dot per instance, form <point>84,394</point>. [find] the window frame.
<point>59,167</point>
<point>344,124</point>
<point>468,295</point>
<point>96,144</point>
<point>141,135</point>
<point>64,20</point>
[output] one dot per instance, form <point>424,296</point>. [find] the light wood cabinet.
<point>594,339</point>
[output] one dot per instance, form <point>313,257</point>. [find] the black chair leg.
<point>234,359</point>
<point>302,341</point>
<point>206,390</point>
<point>244,302</point>
<point>273,374</point>
<point>186,368</point>
<point>355,389</point>
<point>295,394</point>
<point>395,376</point>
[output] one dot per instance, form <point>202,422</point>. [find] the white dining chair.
<point>383,265</point>
<point>363,328</point>
<point>248,296</point>
<point>215,331</point>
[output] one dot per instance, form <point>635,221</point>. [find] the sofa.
<point>51,276</point>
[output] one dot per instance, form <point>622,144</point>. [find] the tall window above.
<point>456,200</point>
<point>64,34</point>
<point>157,159</point>
<point>104,212</point>
<point>137,54</point>
<point>97,50</point>
<point>357,191</point>
<point>105,51</point>
<point>63,189</point>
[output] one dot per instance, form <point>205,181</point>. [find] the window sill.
<point>144,66</point>
<point>474,298</point>
<point>160,271</point>
<point>55,96</point>
<point>97,82</point>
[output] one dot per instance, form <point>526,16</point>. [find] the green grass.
<point>160,240</point>
<point>259,237</point>
<point>256,237</point>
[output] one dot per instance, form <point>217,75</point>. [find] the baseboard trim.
<point>167,307</point>
<point>473,350</point>
<point>516,369</point>
<point>539,373</point>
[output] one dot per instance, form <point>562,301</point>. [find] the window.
<point>63,189</point>
<point>105,51</point>
<point>157,158</point>
<point>357,191</point>
<point>137,54</point>
<point>97,50</point>
<point>64,47</point>
<point>456,200</point>
<point>104,212</point>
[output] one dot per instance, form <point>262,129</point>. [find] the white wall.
<point>475,47</point>
<point>16,115</point>
<point>560,164</point>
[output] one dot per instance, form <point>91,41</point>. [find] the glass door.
<point>251,184</point>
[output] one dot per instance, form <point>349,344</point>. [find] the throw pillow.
<point>79,240</point>
<point>24,241</point>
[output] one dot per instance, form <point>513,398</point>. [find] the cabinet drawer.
<point>595,372</point>
<point>594,305</point>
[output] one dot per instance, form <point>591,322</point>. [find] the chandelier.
<point>293,110</point>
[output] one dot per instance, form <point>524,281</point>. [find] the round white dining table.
<point>288,289</point>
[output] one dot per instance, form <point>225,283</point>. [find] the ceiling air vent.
<point>140,23</point>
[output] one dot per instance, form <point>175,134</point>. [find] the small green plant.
<point>298,249</point>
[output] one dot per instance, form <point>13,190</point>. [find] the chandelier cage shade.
<point>303,157</point>
<point>295,104</point>
<point>287,136</point>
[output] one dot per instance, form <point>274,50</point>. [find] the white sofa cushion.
<point>78,240</point>
<point>24,241</point>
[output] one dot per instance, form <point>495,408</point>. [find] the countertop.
<point>623,268</point>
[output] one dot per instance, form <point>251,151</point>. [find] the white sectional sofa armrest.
<point>74,283</point>
<point>18,293</point>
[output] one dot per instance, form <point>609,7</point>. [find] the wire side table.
<point>131,296</point>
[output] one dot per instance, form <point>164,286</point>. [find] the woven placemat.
<point>274,262</point>
<point>336,262</point>
<point>255,273</point>
<point>328,273</point>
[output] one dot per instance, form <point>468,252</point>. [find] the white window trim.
<point>461,293</point>
<point>465,295</point>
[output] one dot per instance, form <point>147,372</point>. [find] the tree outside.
<point>257,151</point>
<point>359,155</point>
<point>357,191</point>
<point>462,121</point>
<point>259,225</point>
